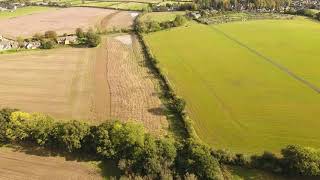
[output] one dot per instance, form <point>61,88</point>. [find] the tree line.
<point>153,26</point>
<point>238,5</point>
<point>138,154</point>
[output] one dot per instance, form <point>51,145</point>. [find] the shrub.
<point>80,33</point>
<point>38,37</point>
<point>4,121</point>
<point>50,35</point>
<point>70,135</point>
<point>298,160</point>
<point>318,16</point>
<point>102,142</point>
<point>267,161</point>
<point>179,20</point>
<point>92,39</point>
<point>196,159</point>
<point>48,44</point>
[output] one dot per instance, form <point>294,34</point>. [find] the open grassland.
<point>64,20</point>
<point>21,165</point>
<point>249,86</point>
<point>132,6</point>
<point>24,11</point>
<point>161,16</point>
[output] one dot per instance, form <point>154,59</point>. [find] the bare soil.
<point>15,165</point>
<point>64,20</point>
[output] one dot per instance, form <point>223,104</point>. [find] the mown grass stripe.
<point>270,60</point>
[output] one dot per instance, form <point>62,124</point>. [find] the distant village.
<point>305,4</point>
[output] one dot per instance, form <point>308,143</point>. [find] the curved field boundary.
<point>270,60</point>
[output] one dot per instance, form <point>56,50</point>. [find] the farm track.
<point>132,88</point>
<point>271,61</point>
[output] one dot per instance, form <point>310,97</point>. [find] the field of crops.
<point>249,86</point>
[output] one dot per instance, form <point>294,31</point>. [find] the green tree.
<point>196,159</point>
<point>179,20</point>
<point>51,35</point>
<point>48,44</point>
<point>299,160</point>
<point>79,32</point>
<point>71,134</point>
<point>92,39</point>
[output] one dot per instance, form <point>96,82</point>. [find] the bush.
<point>80,33</point>
<point>70,135</point>
<point>301,161</point>
<point>48,44</point>
<point>4,121</point>
<point>179,20</point>
<point>196,159</point>
<point>92,39</point>
<point>306,12</point>
<point>37,37</point>
<point>51,35</point>
<point>267,161</point>
<point>318,16</point>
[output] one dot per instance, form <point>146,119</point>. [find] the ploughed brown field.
<point>64,20</point>
<point>16,165</point>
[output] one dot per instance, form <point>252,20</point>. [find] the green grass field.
<point>237,98</point>
<point>161,16</point>
<point>23,11</point>
<point>133,6</point>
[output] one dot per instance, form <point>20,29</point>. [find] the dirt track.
<point>21,166</point>
<point>64,20</point>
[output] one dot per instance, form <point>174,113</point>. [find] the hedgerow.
<point>137,153</point>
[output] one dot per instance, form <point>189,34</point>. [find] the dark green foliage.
<point>178,104</point>
<point>302,161</point>
<point>251,5</point>
<point>318,16</point>
<point>196,158</point>
<point>70,135</point>
<point>90,38</point>
<point>37,37</point>
<point>4,120</point>
<point>153,26</point>
<point>306,12</point>
<point>267,161</point>
<point>48,44</point>
<point>80,33</point>
<point>51,35</point>
<point>179,20</point>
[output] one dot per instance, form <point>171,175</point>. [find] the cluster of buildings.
<point>5,6</point>
<point>305,4</point>
<point>7,44</point>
